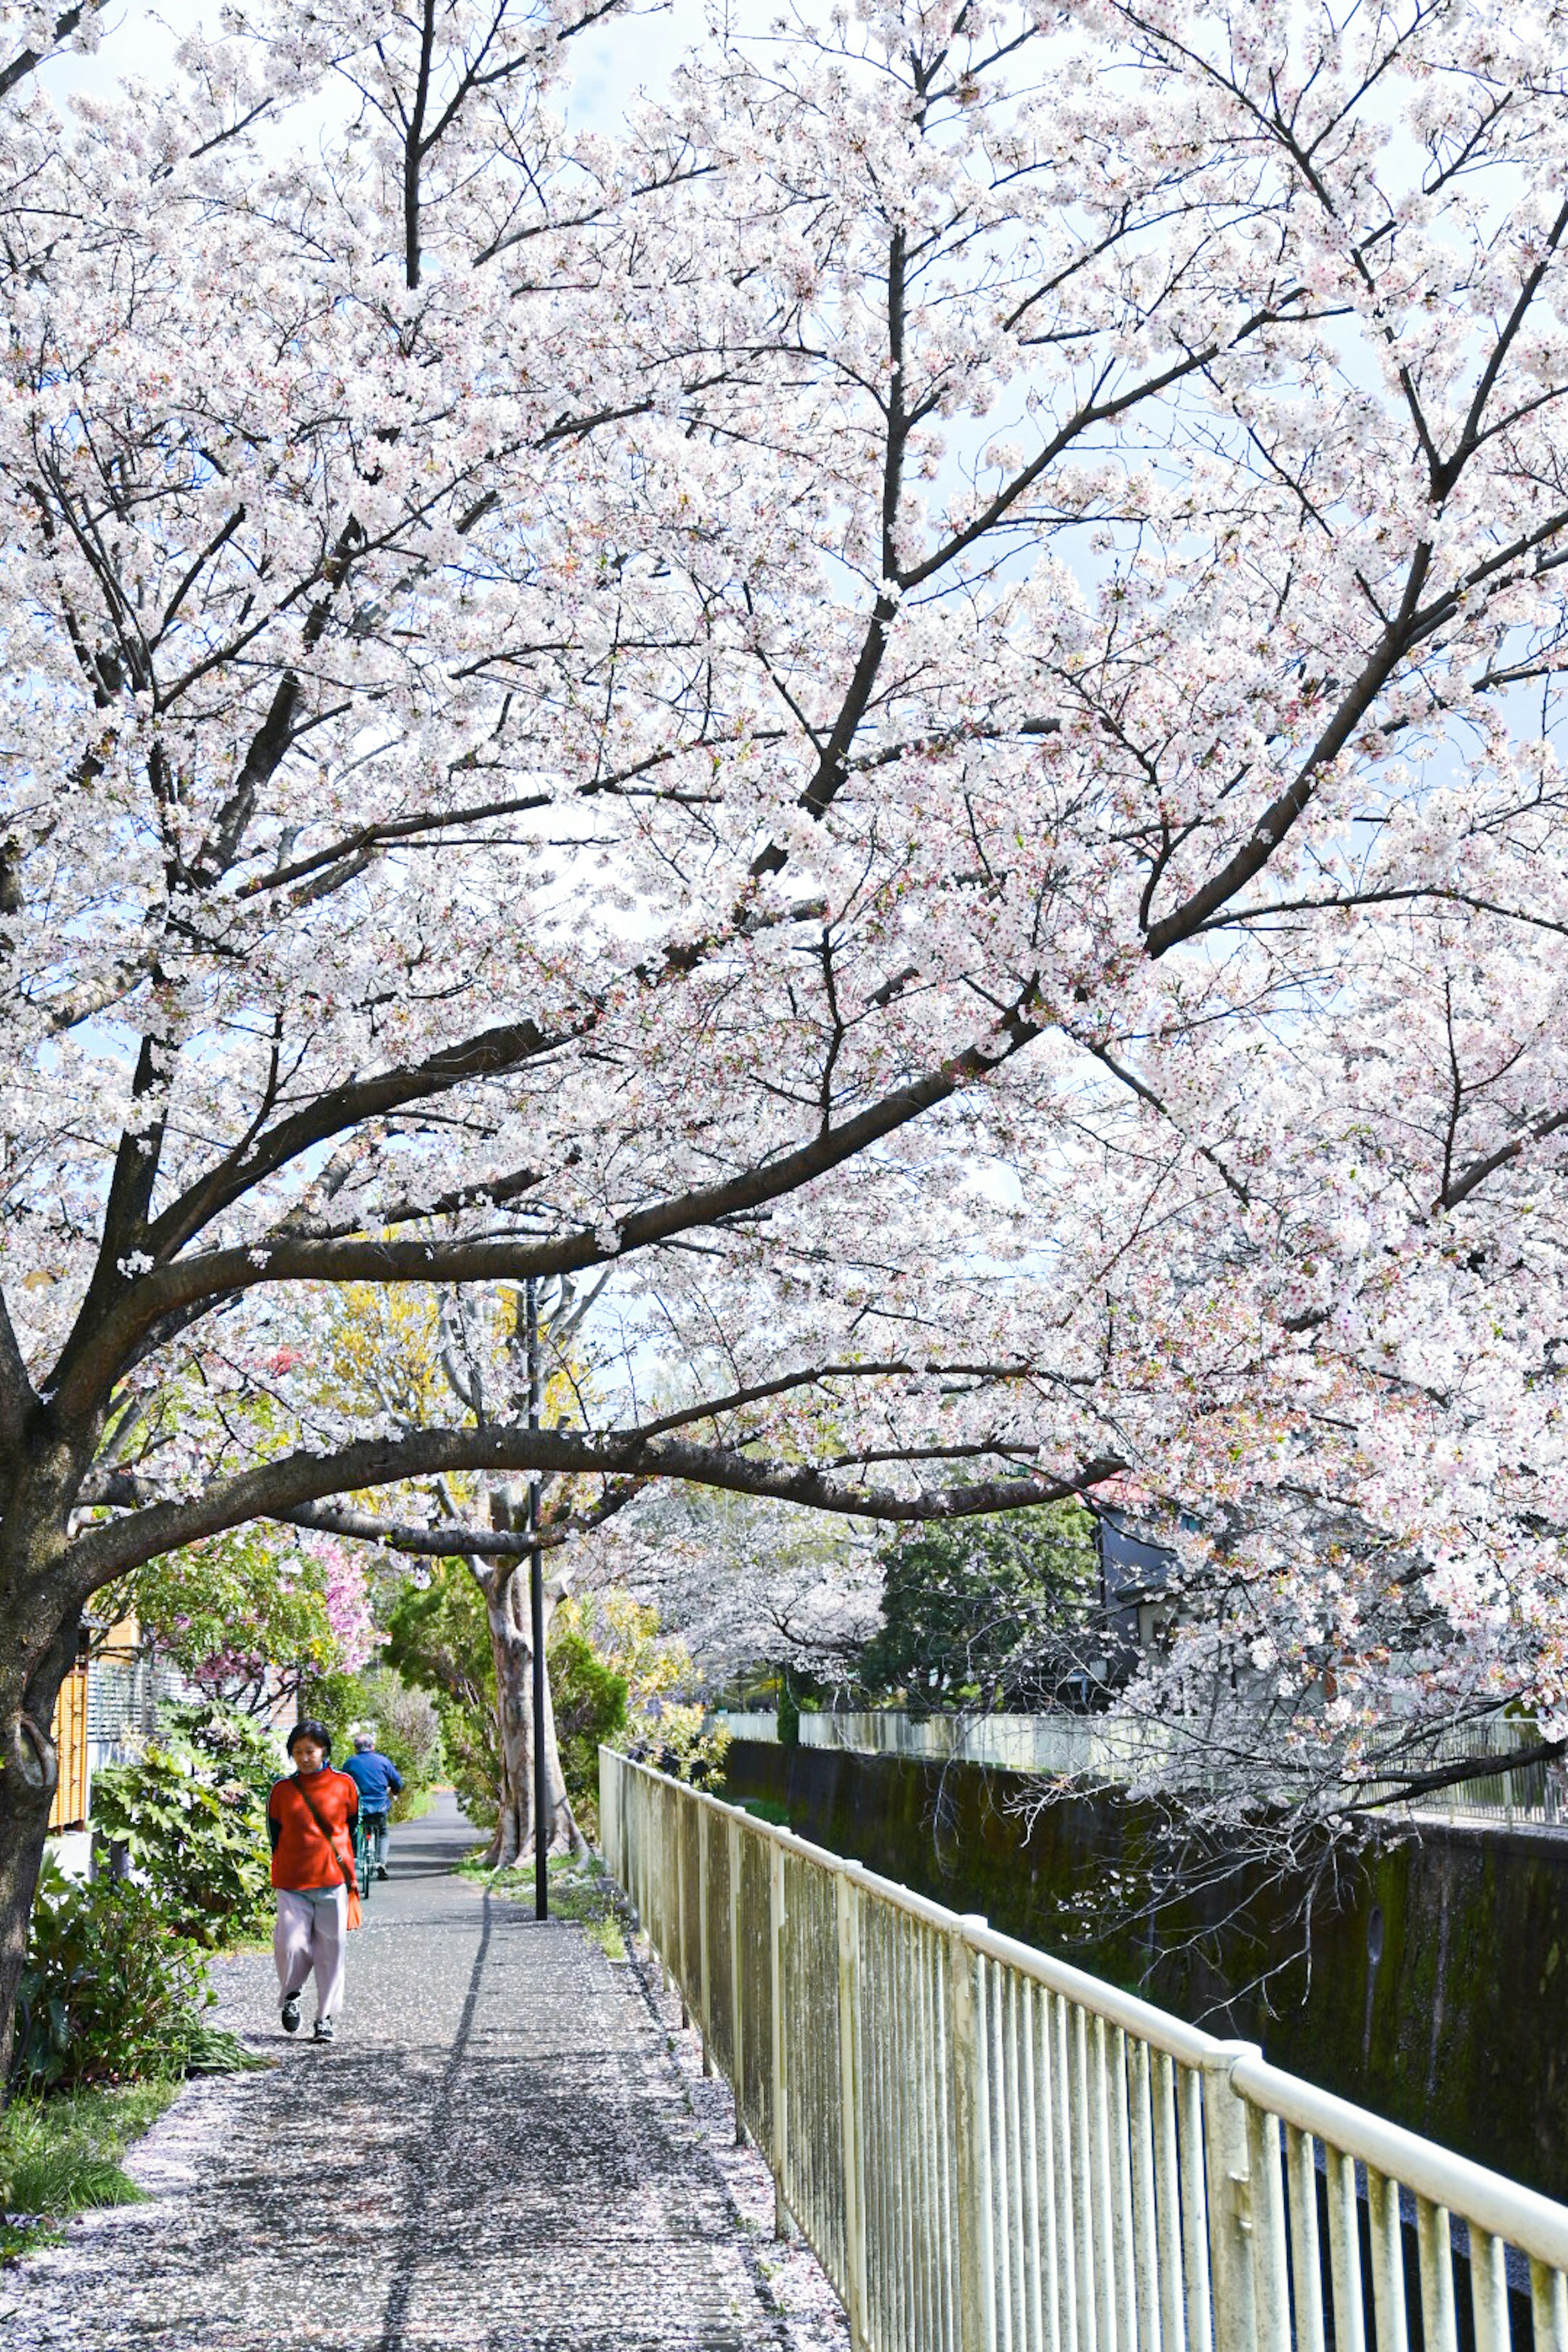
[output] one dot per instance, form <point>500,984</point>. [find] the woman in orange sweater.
<point>310,1819</point>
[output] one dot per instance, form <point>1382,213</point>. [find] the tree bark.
<point>30,1681</point>
<point>506,1608</point>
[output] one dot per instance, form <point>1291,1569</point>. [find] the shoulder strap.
<point>348,1877</point>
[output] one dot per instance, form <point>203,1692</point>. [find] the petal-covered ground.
<point>504,2150</point>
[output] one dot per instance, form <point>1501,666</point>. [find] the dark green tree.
<point>438,1639</point>
<point>590,1710</point>
<point>981,1611</point>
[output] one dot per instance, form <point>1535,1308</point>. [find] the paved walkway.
<point>500,2151</point>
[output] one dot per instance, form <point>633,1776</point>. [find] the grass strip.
<point>60,2156</point>
<point>580,1890</point>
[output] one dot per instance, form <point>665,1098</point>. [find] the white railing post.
<point>1270,2258</point>
<point>682,1965</point>
<point>846,1900</point>
<point>971,2100</point>
<point>780,2052</point>
<point>705,1973</point>
<point>1228,2179</point>
<point>737,2044</point>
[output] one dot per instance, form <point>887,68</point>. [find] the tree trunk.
<point>505,1589</point>
<point>30,1681</point>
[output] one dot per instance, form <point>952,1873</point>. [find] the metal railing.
<point>1076,1746</point>
<point>749,1723</point>
<point>1098,1746</point>
<point>992,2151</point>
<point>1118,1747</point>
<point>1533,1793</point>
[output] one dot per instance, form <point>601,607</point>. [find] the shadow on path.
<point>428,2165</point>
<point>495,2154</point>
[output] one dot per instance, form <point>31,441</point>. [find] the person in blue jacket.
<point>378,1780</point>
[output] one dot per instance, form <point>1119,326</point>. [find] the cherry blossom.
<point>912,700</point>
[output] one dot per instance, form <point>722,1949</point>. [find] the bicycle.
<point>372,1832</point>
<point>365,1857</point>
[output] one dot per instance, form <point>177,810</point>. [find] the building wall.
<point>106,1711</point>
<point>1437,1992</point>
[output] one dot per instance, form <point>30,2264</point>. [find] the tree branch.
<point>169,1290</point>
<point>279,1489</point>
<point>28,61</point>
<point>1469,1178</point>
<point>1279,817</point>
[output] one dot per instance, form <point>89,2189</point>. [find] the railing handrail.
<point>1156,2026</point>
<point>1111,1747</point>
<point>1537,2225</point>
<point>1202,2167</point>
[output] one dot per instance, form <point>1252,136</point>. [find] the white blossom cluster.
<point>915,701</point>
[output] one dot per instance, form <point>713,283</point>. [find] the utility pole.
<point>536,1604</point>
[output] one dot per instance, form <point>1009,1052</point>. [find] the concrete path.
<point>500,2151</point>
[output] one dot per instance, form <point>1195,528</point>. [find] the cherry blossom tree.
<point>915,701</point>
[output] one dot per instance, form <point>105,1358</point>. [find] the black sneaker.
<point>322,2030</point>
<point>381,1870</point>
<point>291,2014</point>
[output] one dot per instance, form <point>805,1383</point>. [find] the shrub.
<point>191,1813</point>
<point>590,1701</point>
<point>110,1993</point>
<point>403,1720</point>
<point>236,1744</point>
<point>665,1721</point>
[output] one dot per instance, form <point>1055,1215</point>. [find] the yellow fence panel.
<point>69,1810</point>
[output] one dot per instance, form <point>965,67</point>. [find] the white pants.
<point>312,1930</point>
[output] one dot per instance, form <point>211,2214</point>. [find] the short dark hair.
<point>310,1729</point>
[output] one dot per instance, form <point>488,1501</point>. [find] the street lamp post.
<point>536,1606</point>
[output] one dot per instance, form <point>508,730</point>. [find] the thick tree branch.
<point>1470,1179</point>
<point>493,1053</point>
<point>1409,1787</point>
<point>174,1289</point>
<point>448,1539</point>
<point>27,61</point>
<point>1281,816</point>
<point>278,1489</point>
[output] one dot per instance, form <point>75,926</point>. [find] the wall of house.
<point>1435,1991</point>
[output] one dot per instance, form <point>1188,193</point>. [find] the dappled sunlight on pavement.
<point>500,2151</point>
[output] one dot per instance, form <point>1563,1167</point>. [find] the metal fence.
<point>1533,1792</point>
<point>1088,1746</point>
<point>1118,1748</point>
<point>992,2151</point>
<point>1082,1746</point>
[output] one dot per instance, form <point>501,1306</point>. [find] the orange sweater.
<point>302,1857</point>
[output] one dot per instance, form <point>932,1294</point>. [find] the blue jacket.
<point>375,1777</point>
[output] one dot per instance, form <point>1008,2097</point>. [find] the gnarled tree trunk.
<point>40,1610</point>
